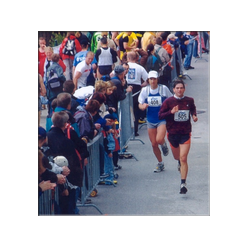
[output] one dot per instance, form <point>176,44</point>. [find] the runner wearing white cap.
<point>151,98</point>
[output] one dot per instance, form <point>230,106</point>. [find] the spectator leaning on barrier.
<point>64,170</point>
<point>98,118</point>
<point>84,119</point>
<point>43,185</point>
<point>150,99</point>
<point>60,145</point>
<point>119,82</point>
<point>69,87</point>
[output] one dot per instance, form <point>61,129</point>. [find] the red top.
<point>178,123</point>
<point>77,47</point>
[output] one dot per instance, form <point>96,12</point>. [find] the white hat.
<point>153,74</point>
<point>171,36</point>
<point>61,161</point>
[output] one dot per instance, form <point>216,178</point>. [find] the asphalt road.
<point>140,191</point>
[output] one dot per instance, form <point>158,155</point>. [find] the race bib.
<point>181,115</point>
<point>154,101</point>
<point>132,73</point>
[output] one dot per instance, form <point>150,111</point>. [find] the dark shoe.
<point>118,167</point>
<point>183,189</point>
<point>104,176</point>
<point>136,134</point>
<point>190,67</point>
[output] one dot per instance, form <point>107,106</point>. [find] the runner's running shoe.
<point>183,189</point>
<point>165,149</point>
<point>159,167</point>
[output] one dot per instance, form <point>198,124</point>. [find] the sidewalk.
<point>140,191</point>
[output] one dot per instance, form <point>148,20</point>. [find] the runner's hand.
<point>174,109</point>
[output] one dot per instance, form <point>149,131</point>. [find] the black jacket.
<point>61,145</point>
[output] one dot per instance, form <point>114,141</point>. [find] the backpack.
<point>53,81</point>
<point>166,70</point>
<point>158,57</point>
<point>69,48</point>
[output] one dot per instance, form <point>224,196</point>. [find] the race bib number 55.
<point>181,115</point>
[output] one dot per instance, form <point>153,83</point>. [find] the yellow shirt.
<point>132,39</point>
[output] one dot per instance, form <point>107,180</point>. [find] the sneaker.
<point>183,189</point>
<point>179,165</point>
<point>159,167</point>
<point>165,149</point>
<point>102,176</point>
<point>117,167</point>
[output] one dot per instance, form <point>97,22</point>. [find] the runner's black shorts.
<point>176,139</point>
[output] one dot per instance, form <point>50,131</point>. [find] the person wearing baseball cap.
<point>151,98</point>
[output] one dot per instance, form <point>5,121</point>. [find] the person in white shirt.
<point>82,71</point>
<point>136,78</point>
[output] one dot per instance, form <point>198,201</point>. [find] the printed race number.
<point>181,115</point>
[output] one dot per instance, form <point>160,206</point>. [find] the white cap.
<point>153,74</point>
<point>61,161</point>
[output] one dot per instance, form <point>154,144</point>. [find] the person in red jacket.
<point>69,47</point>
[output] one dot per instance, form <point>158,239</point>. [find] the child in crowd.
<point>116,134</point>
<point>109,147</point>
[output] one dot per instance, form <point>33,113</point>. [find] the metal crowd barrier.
<point>49,199</point>
<point>47,202</point>
<point>91,173</point>
<point>126,123</point>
